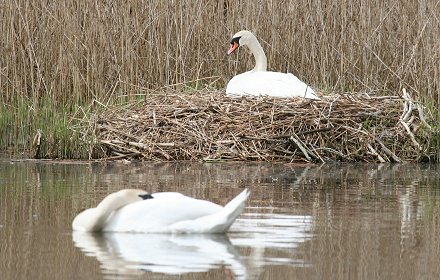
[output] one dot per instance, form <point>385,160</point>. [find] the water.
<point>302,222</point>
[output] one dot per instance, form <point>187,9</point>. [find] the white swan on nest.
<point>168,212</point>
<point>258,81</point>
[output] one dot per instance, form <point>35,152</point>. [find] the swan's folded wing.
<point>218,222</point>
<point>156,214</point>
<point>273,84</point>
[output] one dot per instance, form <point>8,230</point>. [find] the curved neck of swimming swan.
<point>258,52</point>
<point>105,208</point>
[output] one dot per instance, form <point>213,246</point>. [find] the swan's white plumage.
<point>169,212</point>
<point>275,84</point>
<point>261,82</point>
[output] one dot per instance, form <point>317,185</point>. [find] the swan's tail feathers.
<point>311,94</point>
<point>236,206</point>
<point>219,222</point>
<point>226,217</point>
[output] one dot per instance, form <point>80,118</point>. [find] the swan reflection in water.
<point>133,254</point>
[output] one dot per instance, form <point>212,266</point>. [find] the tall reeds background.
<point>61,58</point>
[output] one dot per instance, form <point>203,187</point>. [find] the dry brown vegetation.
<point>74,52</point>
<point>96,49</point>
<point>207,125</point>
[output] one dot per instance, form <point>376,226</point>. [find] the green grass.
<point>20,122</point>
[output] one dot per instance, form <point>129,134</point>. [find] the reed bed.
<point>77,53</point>
<point>208,125</point>
<point>86,50</point>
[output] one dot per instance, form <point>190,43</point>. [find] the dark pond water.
<point>301,222</point>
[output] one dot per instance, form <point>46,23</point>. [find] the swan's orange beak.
<point>233,47</point>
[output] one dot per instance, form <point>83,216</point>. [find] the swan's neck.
<point>258,52</point>
<point>104,209</point>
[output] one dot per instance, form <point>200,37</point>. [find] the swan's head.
<point>241,38</point>
<point>94,219</point>
<point>131,195</point>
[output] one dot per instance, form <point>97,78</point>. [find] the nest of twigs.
<point>211,126</point>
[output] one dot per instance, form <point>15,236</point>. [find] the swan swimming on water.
<point>132,210</point>
<point>259,81</point>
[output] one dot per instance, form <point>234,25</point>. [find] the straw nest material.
<point>211,126</point>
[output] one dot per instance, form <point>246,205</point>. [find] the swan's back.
<point>159,213</point>
<point>276,84</point>
<point>218,222</point>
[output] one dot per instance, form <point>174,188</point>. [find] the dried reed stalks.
<point>207,125</point>
<point>76,52</point>
<point>69,50</point>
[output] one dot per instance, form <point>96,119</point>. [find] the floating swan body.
<point>258,81</point>
<point>167,212</point>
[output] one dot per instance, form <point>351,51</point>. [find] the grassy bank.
<point>42,132</point>
<point>58,56</point>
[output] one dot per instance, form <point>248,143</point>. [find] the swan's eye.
<point>236,40</point>
<point>146,196</point>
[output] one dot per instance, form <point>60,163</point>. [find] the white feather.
<point>275,84</point>
<point>166,212</point>
<point>259,81</point>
